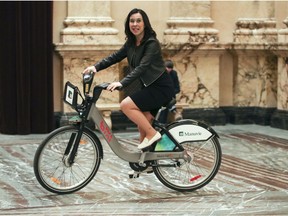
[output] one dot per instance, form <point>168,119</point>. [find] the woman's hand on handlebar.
<point>114,85</point>
<point>88,69</point>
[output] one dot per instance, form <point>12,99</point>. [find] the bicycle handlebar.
<point>105,85</point>
<point>87,81</point>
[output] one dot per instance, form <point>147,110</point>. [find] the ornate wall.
<point>230,56</point>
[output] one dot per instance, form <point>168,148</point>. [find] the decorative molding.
<point>195,30</point>
<point>255,30</point>
<point>89,30</point>
<point>283,33</point>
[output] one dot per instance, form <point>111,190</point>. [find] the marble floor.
<point>253,180</point>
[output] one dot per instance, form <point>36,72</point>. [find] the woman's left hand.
<point>113,86</point>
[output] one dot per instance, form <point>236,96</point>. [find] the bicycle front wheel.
<point>181,175</point>
<point>51,166</point>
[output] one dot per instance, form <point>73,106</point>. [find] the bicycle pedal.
<point>133,174</point>
<point>148,148</point>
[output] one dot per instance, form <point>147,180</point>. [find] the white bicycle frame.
<point>182,131</point>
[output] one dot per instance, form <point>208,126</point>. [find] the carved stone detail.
<point>89,30</point>
<point>255,30</point>
<point>283,33</point>
<point>196,30</point>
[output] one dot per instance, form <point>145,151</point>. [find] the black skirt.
<point>152,97</point>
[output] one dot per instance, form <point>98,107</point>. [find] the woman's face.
<point>136,25</point>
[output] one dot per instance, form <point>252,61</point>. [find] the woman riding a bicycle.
<point>143,52</point>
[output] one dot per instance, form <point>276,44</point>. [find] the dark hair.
<point>169,64</point>
<point>148,30</point>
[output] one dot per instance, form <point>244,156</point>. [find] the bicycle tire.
<point>185,176</point>
<point>50,169</point>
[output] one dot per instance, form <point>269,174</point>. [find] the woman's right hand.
<point>88,69</point>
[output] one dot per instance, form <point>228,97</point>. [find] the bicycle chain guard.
<point>136,167</point>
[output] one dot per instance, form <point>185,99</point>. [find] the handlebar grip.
<point>87,81</point>
<point>88,77</point>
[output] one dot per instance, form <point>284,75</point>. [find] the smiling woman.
<point>136,25</point>
<point>143,52</point>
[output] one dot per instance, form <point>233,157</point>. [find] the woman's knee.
<point>126,104</point>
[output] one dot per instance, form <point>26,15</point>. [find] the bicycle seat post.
<point>164,107</point>
<point>159,112</point>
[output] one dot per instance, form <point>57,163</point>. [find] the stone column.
<point>283,68</point>
<point>191,42</point>
<point>89,22</point>
<point>255,70</point>
<point>190,22</point>
<point>256,75</point>
<point>280,116</point>
<point>88,36</point>
<point>255,31</point>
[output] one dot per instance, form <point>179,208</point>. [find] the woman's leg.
<point>141,119</point>
<point>149,117</point>
<point>141,135</point>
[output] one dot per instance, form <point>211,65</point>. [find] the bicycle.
<point>187,157</point>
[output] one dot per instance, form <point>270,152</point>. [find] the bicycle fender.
<point>192,130</point>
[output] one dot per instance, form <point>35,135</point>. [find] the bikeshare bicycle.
<point>187,157</point>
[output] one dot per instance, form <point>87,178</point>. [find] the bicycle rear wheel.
<point>191,175</point>
<point>51,166</point>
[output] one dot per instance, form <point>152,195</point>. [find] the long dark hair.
<point>148,30</point>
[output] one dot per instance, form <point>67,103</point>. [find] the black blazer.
<point>145,61</point>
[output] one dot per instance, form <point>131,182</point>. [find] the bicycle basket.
<point>70,94</point>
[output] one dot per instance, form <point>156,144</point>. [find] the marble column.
<point>189,22</point>
<point>193,44</point>
<point>255,31</point>
<point>88,36</point>
<point>283,68</point>
<point>256,69</point>
<point>189,41</point>
<point>280,116</point>
<point>89,22</point>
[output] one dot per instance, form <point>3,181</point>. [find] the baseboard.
<point>212,116</point>
<point>279,119</point>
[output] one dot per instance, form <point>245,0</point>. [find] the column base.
<point>279,119</point>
